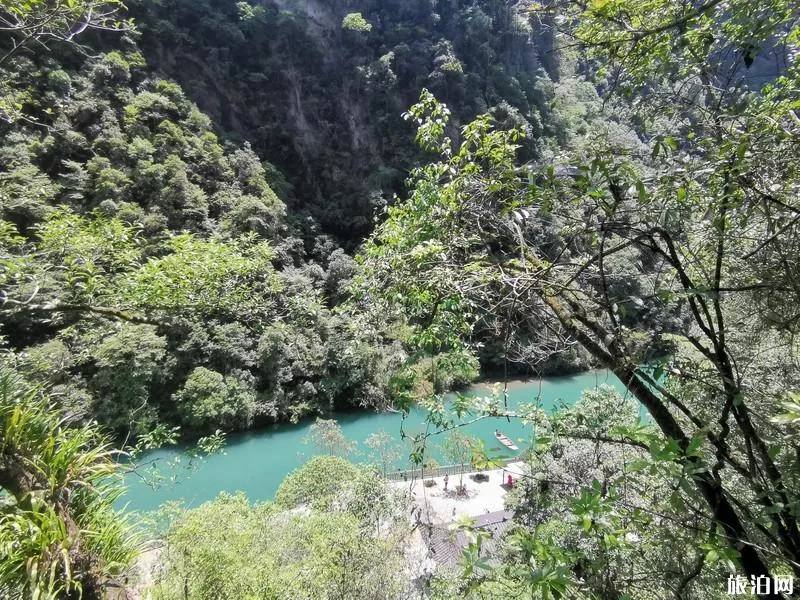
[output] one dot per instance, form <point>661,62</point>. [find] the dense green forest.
<point>105,135</point>
<point>219,215</point>
<point>322,101</point>
<point>114,182</point>
<point>154,275</point>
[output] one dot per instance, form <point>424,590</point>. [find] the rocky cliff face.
<point>324,102</point>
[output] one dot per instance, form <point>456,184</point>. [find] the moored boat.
<point>505,440</point>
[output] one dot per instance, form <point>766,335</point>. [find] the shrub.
<point>208,400</point>
<point>316,483</point>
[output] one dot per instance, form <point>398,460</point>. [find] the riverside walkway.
<point>435,505</point>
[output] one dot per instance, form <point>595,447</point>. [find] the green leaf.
<point>642,192</point>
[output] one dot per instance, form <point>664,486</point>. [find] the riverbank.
<point>600,376</point>
<point>256,462</point>
<point>443,502</point>
<point>434,507</point>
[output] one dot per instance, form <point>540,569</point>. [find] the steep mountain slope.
<point>323,100</point>
<point>148,271</point>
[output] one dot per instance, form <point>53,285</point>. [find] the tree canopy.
<point>693,226</point>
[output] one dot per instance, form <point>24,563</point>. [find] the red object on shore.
<point>510,481</point>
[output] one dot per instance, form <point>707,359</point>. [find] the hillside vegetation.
<point>217,215</point>
<point>321,97</point>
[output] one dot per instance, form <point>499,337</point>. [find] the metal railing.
<point>448,470</point>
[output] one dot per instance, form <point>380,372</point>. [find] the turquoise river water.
<point>256,462</point>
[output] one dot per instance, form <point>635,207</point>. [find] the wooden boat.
<point>505,440</point>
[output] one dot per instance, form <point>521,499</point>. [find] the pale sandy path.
<point>439,507</point>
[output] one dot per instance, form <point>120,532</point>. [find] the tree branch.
<point>66,307</point>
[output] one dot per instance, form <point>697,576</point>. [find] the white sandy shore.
<point>439,506</point>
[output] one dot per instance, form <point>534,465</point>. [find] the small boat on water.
<point>505,440</point>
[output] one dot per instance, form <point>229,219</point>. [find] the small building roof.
<point>445,545</point>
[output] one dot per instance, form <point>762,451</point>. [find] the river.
<point>256,462</point>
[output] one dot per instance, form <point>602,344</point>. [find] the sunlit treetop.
<point>356,22</point>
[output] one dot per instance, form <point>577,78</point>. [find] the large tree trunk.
<point>722,510</point>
